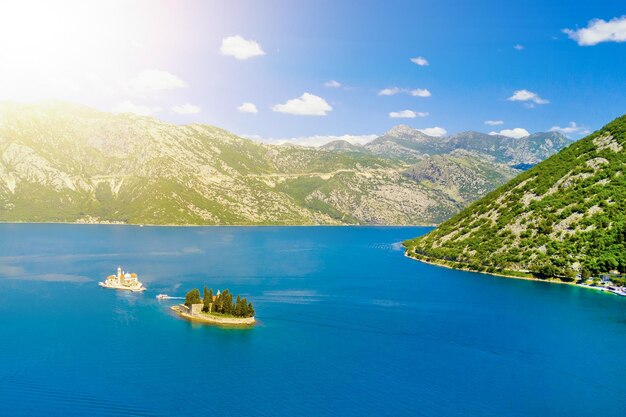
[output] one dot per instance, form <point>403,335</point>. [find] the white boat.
<point>163,297</point>
<point>123,281</point>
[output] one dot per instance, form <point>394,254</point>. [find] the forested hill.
<point>566,215</point>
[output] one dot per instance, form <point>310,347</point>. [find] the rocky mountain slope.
<point>68,163</point>
<point>464,175</point>
<point>564,217</point>
<point>408,144</point>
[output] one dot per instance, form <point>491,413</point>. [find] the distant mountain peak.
<point>403,130</point>
<point>342,145</point>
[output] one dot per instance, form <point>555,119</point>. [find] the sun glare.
<point>56,48</point>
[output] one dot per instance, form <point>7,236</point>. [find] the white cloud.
<point>240,48</point>
<point>332,84</point>
<point>420,92</point>
<point>420,60</point>
<point>516,133</point>
<point>306,105</point>
<point>130,107</point>
<point>150,81</point>
<point>407,114</point>
<point>528,96</point>
<point>186,109</point>
<point>519,47</point>
<point>571,128</point>
<point>434,131</point>
<point>598,31</point>
<point>494,122</point>
<point>248,107</point>
<point>315,140</point>
<point>391,91</point>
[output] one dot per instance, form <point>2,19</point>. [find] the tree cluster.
<point>223,303</point>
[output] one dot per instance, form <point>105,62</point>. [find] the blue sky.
<point>166,58</point>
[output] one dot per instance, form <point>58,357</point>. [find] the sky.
<point>312,71</point>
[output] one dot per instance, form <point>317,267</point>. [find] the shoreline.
<point>548,281</point>
<point>219,321</point>
<point>225,225</point>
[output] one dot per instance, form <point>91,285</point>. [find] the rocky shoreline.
<point>220,321</point>
<point>448,264</point>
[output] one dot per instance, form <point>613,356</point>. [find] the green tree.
<point>218,304</point>
<point>548,270</point>
<point>228,302</point>
<point>238,307</point>
<point>207,300</point>
<point>192,297</point>
<point>244,307</point>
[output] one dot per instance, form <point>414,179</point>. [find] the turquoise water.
<point>347,326</point>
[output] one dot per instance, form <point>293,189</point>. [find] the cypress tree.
<point>228,302</point>
<point>210,299</point>
<point>206,300</point>
<point>244,307</point>
<point>217,306</point>
<point>238,307</point>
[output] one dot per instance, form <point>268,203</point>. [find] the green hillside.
<point>563,217</point>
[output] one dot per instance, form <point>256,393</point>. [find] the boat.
<point>168,297</point>
<point>123,281</point>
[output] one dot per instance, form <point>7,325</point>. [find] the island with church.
<point>218,309</point>
<point>123,281</point>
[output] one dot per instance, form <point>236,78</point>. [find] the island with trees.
<point>219,308</point>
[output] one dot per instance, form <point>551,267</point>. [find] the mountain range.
<point>411,145</point>
<point>563,218</point>
<point>61,162</point>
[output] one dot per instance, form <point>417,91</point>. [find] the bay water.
<point>346,326</point>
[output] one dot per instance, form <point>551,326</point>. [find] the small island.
<point>218,309</point>
<point>123,281</point>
